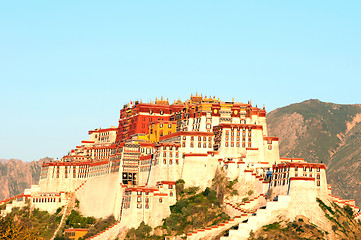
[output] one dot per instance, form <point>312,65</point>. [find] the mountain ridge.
<point>16,175</point>
<point>323,132</point>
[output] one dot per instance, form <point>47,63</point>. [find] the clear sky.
<point>69,66</point>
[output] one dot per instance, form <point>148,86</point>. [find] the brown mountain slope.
<point>16,175</point>
<point>327,132</point>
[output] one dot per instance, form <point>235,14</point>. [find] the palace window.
<point>269,147</point>
<point>184,137</point>
<point>147,200</point>
<point>164,161</point>
<point>204,145</point>
<point>139,205</point>
<point>192,144</point>
<point>177,161</point>
<point>318,183</point>
<point>139,193</point>
<point>249,144</point>
<point>318,169</point>
<point>318,176</point>
<point>199,138</point>
<point>226,144</point>
<point>160,200</point>
<point>238,145</point>
<point>171,194</point>
<point>209,139</point>
<point>147,206</point>
<point>210,145</point>
<point>170,162</point>
<point>232,144</point>
<point>183,144</point>
<point>192,138</point>
<point>169,125</point>
<point>139,199</point>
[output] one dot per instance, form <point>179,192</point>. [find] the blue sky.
<point>69,66</point>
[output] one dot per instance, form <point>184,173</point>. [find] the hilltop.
<point>323,132</point>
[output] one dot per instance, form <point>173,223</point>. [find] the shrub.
<point>142,232</point>
<point>334,228</point>
<point>348,210</point>
<point>250,192</point>
<point>58,210</point>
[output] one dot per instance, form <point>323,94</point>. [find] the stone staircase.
<point>66,211</point>
<point>213,231</point>
<point>111,232</point>
<point>239,215</point>
<point>261,217</point>
<point>245,207</point>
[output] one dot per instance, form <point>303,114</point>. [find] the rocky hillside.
<point>16,175</point>
<point>323,132</point>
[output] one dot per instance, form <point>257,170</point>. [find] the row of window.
<point>171,154</point>
<point>226,144</point>
<point>238,133</point>
<point>199,145</point>
<point>199,138</point>
<point>171,161</point>
<point>42,200</point>
<point>169,148</point>
<point>238,139</point>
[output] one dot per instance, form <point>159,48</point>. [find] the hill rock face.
<point>16,175</point>
<point>327,132</point>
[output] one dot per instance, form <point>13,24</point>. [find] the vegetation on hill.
<point>25,223</point>
<point>193,210</point>
<point>323,132</point>
<point>94,226</point>
<point>28,223</point>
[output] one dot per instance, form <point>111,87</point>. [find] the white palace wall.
<point>99,196</point>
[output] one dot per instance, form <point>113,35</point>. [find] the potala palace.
<point>130,171</point>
